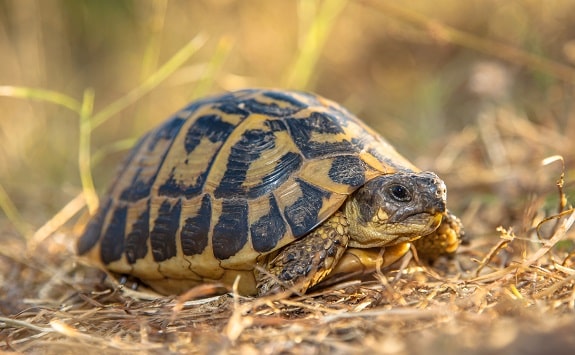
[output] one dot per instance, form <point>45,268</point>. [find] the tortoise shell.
<point>229,179</point>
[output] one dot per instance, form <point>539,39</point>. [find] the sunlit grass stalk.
<point>11,212</point>
<point>215,64</point>
<point>154,43</point>
<point>88,122</point>
<point>6,204</point>
<point>41,95</point>
<point>84,154</point>
<point>151,82</point>
<point>301,71</point>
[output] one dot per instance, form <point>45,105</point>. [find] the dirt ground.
<point>508,161</point>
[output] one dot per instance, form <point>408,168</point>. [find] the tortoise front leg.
<point>305,262</point>
<point>443,241</point>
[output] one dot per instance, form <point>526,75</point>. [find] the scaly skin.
<point>443,241</point>
<point>388,211</point>
<point>307,261</point>
<point>358,263</point>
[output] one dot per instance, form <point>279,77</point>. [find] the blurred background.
<point>450,83</point>
<point>479,91</point>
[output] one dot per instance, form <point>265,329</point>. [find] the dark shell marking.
<point>232,177</point>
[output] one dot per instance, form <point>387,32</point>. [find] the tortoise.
<point>282,189</point>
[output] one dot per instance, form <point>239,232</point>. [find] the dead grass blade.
<point>56,222</point>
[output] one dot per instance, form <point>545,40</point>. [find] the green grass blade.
<point>41,95</point>
<point>114,147</point>
<point>84,155</point>
<point>11,212</point>
<point>300,74</point>
<point>151,82</point>
<point>151,55</point>
<point>222,53</point>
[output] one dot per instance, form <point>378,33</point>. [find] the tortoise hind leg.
<point>305,262</point>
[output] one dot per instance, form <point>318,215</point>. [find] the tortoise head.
<point>395,208</point>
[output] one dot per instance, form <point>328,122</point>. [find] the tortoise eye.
<point>400,193</point>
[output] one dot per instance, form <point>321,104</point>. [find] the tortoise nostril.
<point>440,191</point>
<point>441,207</point>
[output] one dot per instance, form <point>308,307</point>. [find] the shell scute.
<point>137,238</point>
<point>210,127</point>
<point>352,175</point>
<point>317,139</point>
<point>112,244</point>
<point>273,104</point>
<point>230,233</point>
<point>269,229</point>
<point>282,169</point>
<point>188,172</point>
<point>277,125</point>
<point>243,154</point>
<point>150,160</point>
<point>93,230</point>
<point>303,215</point>
<point>298,100</point>
<point>196,229</point>
<point>163,234</point>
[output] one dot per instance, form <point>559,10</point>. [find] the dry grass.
<point>508,157</point>
<point>508,290</point>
